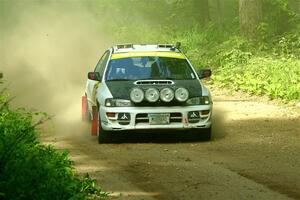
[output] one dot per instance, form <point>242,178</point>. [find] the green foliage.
<point>239,65</point>
<point>277,16</point>
<point>31,170</point>
<point>275,78</point>
<point>267,67</point>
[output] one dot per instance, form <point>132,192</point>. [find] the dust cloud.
<point>47,48</point>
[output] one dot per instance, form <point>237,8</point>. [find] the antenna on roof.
<point>178,44</point>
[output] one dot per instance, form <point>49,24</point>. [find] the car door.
<point>92,85</point>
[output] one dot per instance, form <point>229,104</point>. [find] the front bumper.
<point>178,120</point>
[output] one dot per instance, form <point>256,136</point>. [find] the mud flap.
<point>83,108</point>
<point>94,121</point>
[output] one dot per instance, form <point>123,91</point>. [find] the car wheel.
<point>103,135</point>
<point>204,134</point>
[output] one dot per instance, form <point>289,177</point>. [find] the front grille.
<point>143,118</point>
<point>160,103</point>
<point>175,117</point>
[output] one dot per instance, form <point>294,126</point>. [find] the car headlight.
<point>137,95</point>
<point>166,95</point>
<point>205,100</point>
<point>152,95</point>
<point>117,103</point>
<point>181,94</point>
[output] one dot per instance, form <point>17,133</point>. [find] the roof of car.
<point>134,50</point>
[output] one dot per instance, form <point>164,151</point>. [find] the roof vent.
<point>124,46</point>
<point>165,45</point>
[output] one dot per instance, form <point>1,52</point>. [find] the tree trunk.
<point>203,11</point>
<point>220,14</point>
<point>250,13</point>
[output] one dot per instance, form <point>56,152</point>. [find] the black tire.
<point>103,135</point>
<point>203,134</point>
<point>206,135</point>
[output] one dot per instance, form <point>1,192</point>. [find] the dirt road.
<point>254,154</point>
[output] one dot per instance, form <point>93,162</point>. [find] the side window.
<point>102,63</point>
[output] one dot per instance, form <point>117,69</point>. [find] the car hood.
<point>121,89</point>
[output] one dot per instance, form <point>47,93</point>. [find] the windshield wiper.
<point>166,78</point>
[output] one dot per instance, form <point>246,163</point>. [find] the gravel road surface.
<point>254,154</point>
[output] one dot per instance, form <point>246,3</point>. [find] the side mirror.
<point>94,76</point>
<point>204,73</point>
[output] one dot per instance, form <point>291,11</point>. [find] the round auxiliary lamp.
<point>137,95</point>
<point>152,95</point>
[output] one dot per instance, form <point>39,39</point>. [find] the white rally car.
<point>138,87</point>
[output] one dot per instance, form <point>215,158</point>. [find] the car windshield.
<point>136,68</point>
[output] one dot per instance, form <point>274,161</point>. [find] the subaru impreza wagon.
<point>146,87</point>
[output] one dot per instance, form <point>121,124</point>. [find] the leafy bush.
<point>275,78</point>
<point>263,68</point>
<point>31,170</point>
